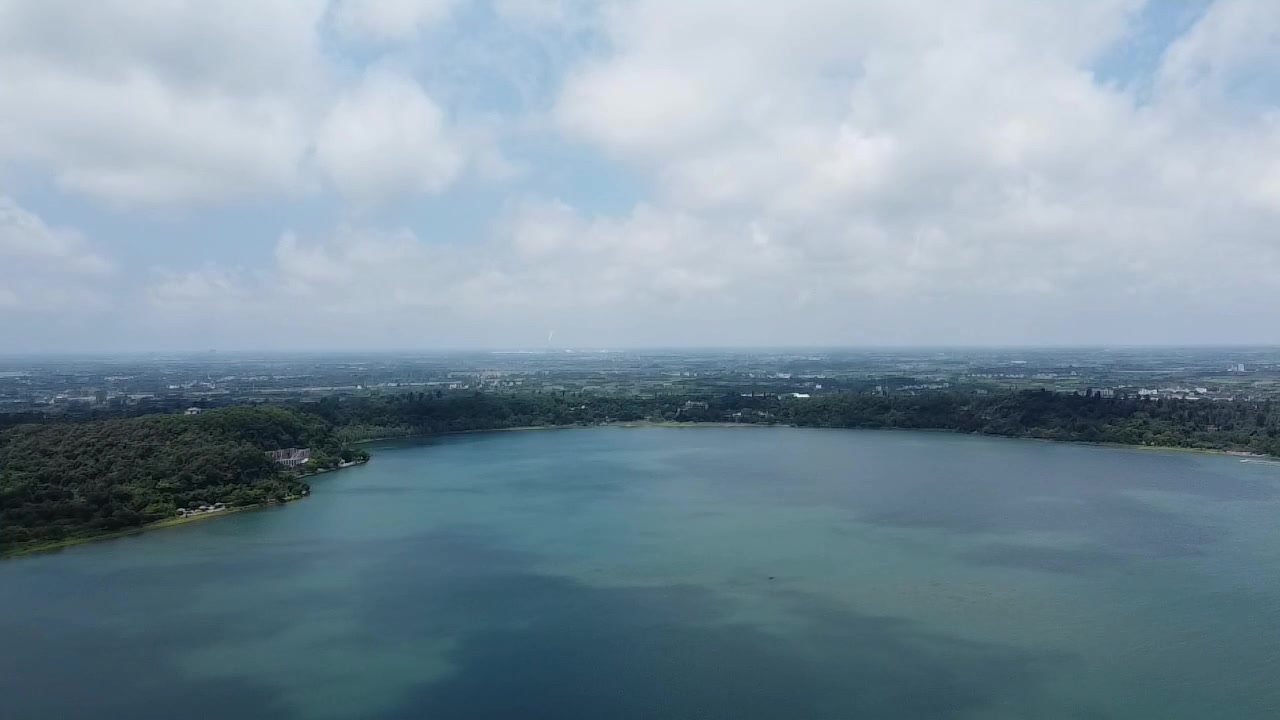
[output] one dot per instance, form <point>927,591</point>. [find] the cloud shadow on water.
<point>1135,503</point>
<point>55,670</point>
<point>83,640</point>
<point>531,645</point>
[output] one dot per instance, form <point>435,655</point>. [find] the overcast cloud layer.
<point>369,174</point>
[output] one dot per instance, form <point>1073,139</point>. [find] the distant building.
<point>192,411</point>
<point>290,457</point>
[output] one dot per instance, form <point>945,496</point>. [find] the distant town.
<point>128,385</point>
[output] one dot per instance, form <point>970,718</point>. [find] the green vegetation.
<point>61,481</point>
<point>1240,426</point>
<point>427,413</point>
<point>1237,426</point>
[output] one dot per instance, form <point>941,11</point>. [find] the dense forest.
<point>1245,426</point>
<point>63,480</point>
<point>1242,426</point>
<point>66,480</point>
<point>358,419</point>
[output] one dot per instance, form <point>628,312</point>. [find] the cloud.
<point>735,104</point>
<point>195,104</point>
<point>47,269</point>
<point>183,291</point>
<point>385,138</point>
<point>388,20</point>
<point>954,152</point>
<point>544,263</point>
<point>1224,58</point>
<point>808,172</point>
<point>542,12</point>
<point>182,102</point>
<point>25,236</point>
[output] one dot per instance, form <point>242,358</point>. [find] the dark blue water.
<point>681,573</point>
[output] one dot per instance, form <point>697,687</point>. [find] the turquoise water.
<point>681,573</point>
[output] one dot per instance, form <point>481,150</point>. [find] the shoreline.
<point>1244,455</point>
<point>163,524</point>
<point>322,471</point>
<point>126,532</point>
<point>576,426</point>
<point>448,433</point>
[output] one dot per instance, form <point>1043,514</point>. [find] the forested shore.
<point>1236,426</point>
<point>68,480</point>
<point>63,481</point>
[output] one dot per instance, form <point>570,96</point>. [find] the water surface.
<point>682,573</point>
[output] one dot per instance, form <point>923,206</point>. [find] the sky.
<point>437,174</point>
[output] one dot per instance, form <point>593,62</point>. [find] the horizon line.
<point>600,349</point>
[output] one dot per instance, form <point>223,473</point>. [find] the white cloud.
<point>735,104</point>
<point>46,269</point>
<point>210,284</point>
<point>191,103</point>
<point>24,236</point>
<point>388,20</point>
<point>541,12</point>
<point>386,137</point>
<point>1222,63</point>
<point>159,103</point>
<point>363,271</point>
<point>954,152</point>
<point>816,171</point>
<point>544,262</point>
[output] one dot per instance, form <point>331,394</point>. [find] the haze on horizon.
<point>418,174</point>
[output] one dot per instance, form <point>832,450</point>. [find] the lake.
<point>671,573</point>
